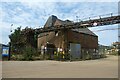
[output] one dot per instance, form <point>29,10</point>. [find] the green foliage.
<point>16,57</point>
<point>114,53</point>
<point>29,52</point>
<point>22,38</point>
<point>16,35</point>
<point>59,56</point>
<point>16,40</point>
<point>88,56</point>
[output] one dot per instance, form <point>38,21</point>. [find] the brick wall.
<point>87,41</point>
<point>64,37</point>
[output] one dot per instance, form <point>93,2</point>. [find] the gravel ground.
<point>100,68</point>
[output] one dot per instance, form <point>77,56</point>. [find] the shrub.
<point>114,53</point>
<point>28,53</point>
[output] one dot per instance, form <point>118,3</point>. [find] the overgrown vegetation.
<point>28,53</point>
<point>114,53</point>
<point>23,44</point>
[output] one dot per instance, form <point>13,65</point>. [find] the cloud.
<point>4,32</point>
<point>60,0</point>
<point>35,14</point>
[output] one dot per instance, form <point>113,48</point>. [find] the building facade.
<point>76,42</point>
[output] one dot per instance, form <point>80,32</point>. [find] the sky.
<point>35,14</point>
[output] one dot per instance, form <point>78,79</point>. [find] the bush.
<point>59,56</point>
<point>114,53</point>
<point>88,56</point>
<point>16,57</point>
<point>103,56</point>
<point>28,53</point>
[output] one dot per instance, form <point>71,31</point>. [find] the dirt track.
<point>100,68</point>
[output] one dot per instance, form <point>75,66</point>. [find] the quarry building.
<point>75,42</point>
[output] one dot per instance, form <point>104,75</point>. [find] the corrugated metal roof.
<point>53,20</point>
<point>84,30</point>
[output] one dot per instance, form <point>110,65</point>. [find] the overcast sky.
<point>35,14</point>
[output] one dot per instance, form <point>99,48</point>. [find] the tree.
<point>19,39</point>
<point>16,40</point>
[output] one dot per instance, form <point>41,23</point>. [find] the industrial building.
<point>75,42</point>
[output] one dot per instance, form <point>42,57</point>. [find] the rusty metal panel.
<point>75,51</point>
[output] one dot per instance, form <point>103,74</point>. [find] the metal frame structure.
<point>82,24</point>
